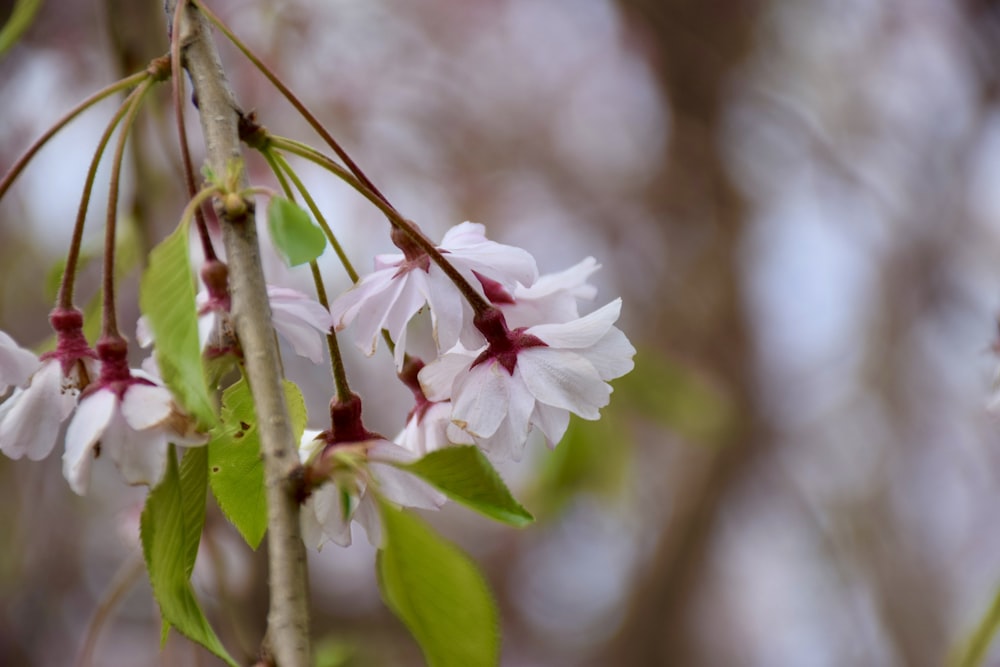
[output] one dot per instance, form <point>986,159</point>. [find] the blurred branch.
<point>704,317</point>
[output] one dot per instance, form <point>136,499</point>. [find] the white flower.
<point>131,422</point>
<point>47,389</point>
<point>361,470</point>
<point>403,283</point>
<point>535,377</point>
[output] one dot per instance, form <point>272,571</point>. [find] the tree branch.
<point>288,616</point>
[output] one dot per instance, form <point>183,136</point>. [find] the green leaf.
<point>293,232</point>
<point>438,593</point>
<point>467,477</point>
<point>236,470</point>
<point>166,528</point>
<point>166,297</point>
<point>194,490</point>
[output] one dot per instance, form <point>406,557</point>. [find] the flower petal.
<point>612,355</point>
<point>141,456</point>
<point>331,515</point>
<point>481,399</point>
<point>581,333</point>
<point>509,440</point>
<point>16,363</point>
<point>30,419</point>
<point>367,515</point>
<point>145,406</point>
<point>92,417</point>
<point>552,421</point>
<point>437,379</point>
<point>564,379</point>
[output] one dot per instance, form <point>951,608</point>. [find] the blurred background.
<point>797,201</point>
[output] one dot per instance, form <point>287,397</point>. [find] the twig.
<point>288,617</point>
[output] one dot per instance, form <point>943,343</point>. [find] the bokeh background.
<point>798,202</point>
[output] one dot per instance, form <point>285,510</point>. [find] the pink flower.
<point>30,419</point>
<point>534,376</point>
<point>127,419</point>
<point>358,472</point>
<point>403,283</point>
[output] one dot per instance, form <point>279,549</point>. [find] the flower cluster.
<point>120,412</point>
<point>527,359</point>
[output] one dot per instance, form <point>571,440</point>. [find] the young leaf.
<point>293,232</point>
<point>166,297</point>
<point>467,477</point>
<point>437,592</point>
<point>236,471</point>
<point>194,489</point>
<point>166,528</point>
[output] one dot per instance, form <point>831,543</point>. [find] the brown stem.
<point>288,617</point>
<point>23,161</point>
<point>73,256</point>
<point>110,324</point>
<point>178,98</point>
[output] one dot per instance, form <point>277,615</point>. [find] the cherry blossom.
<point>127,418</point>
<point>534,376</point>
<point>357,473</point>
<point>31,418</point>
<point>404,283</point>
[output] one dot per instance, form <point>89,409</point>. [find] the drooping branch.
<point>288,620</point>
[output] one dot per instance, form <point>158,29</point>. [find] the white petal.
<point>296,306</point>
<point>141,456</point>
<point>612,355</point>
<point>405,488</point>
<point>90,421</point>
<point>346,307</point>
<point>207,325</point>
<point>312,531</point>
<point>372,316</point>
<point>552,421</point>
<point>145,406</point>
<point>430,433</point>
<point>143,334</point>
<point>509,440</point>
<point>463,234</point>
<point>481,399</point>
<point>564,379</point>
<point>581,333</point>
<point>572,280</point>
<point>31,418</point>
<point>447,312</point>
<point>16,363</point>
<point>330,514</point>
<point>303,338</point>
<point>367,515</point>
<point>438,377</point>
